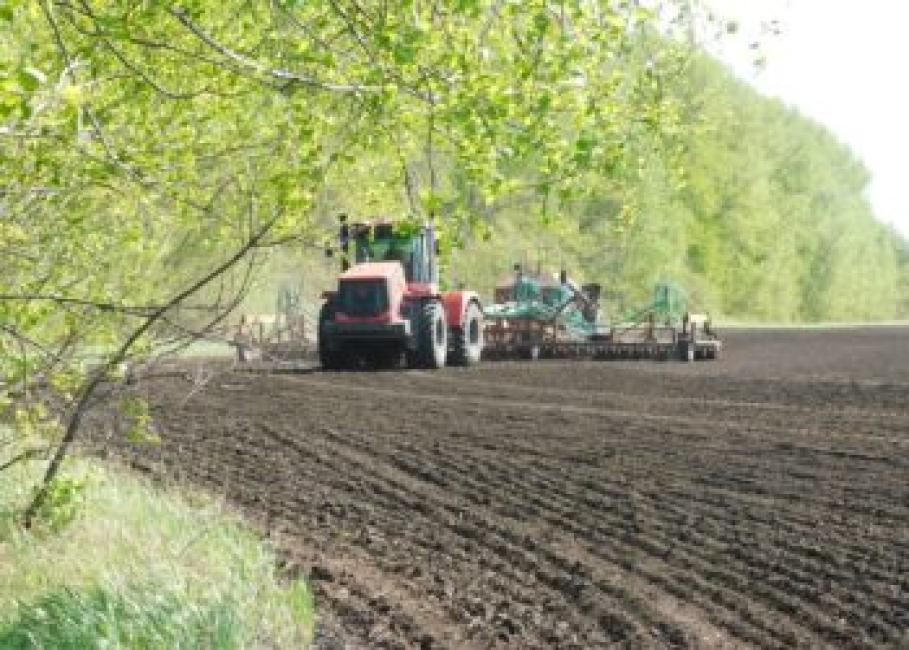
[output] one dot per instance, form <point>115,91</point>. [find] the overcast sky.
<point>844,63</point>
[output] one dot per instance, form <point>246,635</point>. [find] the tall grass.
<point>141,568</point>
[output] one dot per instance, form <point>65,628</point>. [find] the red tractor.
<point>388,304</point>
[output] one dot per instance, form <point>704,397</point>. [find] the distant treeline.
<point>760,212</point>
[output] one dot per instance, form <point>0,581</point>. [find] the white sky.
<point>844,63</point>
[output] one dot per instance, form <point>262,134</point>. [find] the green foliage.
<point>768,221</point>
<point>142,618</point>
<point>141,567</point>
<point>137,413</point>
<point>65,498</point>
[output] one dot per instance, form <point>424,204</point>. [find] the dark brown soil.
<point>758,501</point>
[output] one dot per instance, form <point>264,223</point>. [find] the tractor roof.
<point>379,223</point>
<point>373,271</point>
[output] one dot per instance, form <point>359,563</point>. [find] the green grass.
<point>141,568</point>
<point>69,618</point>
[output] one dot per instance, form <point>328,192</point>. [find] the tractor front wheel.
<point>432,338</point>
<point>467,340</point>
<point>385,358</point>
<point>330,359</point>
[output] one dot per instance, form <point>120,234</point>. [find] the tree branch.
<point>251,64</point>
<point>81,302</point>
<point>28,454</point>
<point>117,358</point>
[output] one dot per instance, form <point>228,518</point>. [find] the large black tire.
<point>385,358</point>
<point>432,338</point>
<point>467,341</point>
<point>330,359</point>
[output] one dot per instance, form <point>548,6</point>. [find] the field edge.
<point>143,564</point>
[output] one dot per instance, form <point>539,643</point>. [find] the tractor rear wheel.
<point>467,340</point>
<point>432,338</point>
<point>329,358</point>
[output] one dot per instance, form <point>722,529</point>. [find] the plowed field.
<point>758,501</point>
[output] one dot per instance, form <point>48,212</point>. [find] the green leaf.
<point>30,79</point>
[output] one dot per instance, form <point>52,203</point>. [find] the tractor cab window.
<point>362,298</point>
<point>384,246</point>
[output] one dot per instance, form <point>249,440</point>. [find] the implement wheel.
<point>686,351</point>
<point>467,341</point>
<point>531,352</point>
<point>432,338</point>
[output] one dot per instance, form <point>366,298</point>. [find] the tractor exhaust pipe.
<point>344,242</point>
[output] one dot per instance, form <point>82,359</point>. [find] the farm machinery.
<point>388,303</point>
<point>538,315</point>
<point>281,336</point>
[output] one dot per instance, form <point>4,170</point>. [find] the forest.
<point>765,217</point>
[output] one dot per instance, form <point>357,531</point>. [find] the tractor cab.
<point>413,247</point>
